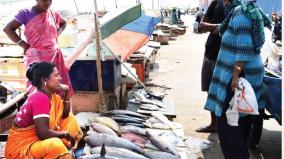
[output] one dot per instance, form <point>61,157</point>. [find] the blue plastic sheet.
<point>269,6</point>
<point>144,24</point>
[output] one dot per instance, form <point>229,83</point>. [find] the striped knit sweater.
<point>236,45</point>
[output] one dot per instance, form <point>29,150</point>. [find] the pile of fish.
<point>149,102</point>
<point>124,117</point>
<point>118,134</point>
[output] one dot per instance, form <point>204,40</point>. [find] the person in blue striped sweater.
<point>239,56</point>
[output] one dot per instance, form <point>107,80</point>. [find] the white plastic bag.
<point>246,99</point>
<point>195,25</point>
<point>243,101</point>
<point>232,113</point>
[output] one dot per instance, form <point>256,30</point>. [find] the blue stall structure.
<point>270,6</point>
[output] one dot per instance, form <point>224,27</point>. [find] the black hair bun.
<point>30,71</point>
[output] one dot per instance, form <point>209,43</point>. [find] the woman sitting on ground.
<point>44,127</point>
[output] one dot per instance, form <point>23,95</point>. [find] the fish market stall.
<point>140,102</point>
<point>126,134</point>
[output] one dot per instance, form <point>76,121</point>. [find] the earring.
<point>45,83</point>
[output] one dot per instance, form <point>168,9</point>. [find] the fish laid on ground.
<point>160,155</point>
<point>150,146</point>
<point>126,112</point>
<point>135,124</point>
<point>127,119</point>
<point>108,122</point>
<point>97,139</point>
<point>97,156</point>
<point>153,120</point>
<point>101,155</point>
<point>84,117</point>
<point>160,126</point>
<point>134,138</point>
<point>170,137</point>
<point>101,128</point>
<point>133,129</point>
<point>165,120</point>
<point>140,96</point>
<point>118,152</point>
<point>151,107</point>
<point>163,145</point>
<point>152,103</point>
<point>87,149</point>
<point>162,118</point>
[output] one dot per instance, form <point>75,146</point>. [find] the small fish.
<point>151,107</point>
<point>133,129</point>
<point>101,128</point>
<point>162,144</point>
<point>108,122</point>
<point>140,96</point>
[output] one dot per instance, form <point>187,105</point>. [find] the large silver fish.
<point>97,139</point>
<point>160,143</point>
<point>125,112</point>
<point>101,128</point>
<point>140,125</point>
<point>101,155</point>
<point>149,145</point>
<point>118,152</point>
<point>160,126</point>
<point>97,156</point>
<point>126,119</point>
<point>133,129</point>
<point>160,155</point>
<point>152,107</point>
<point>108,122</point>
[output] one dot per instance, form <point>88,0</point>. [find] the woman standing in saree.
<point>42,28</point>
<point>44,127</point>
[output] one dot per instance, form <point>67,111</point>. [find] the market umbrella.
<point>131,36</point>
<point>121,33</point>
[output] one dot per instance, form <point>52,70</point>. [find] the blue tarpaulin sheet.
<point>269,6</point>
<point>139,25</point>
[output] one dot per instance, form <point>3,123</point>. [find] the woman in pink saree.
<point>42,28</point>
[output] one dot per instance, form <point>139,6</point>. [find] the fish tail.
<point>103,151</point>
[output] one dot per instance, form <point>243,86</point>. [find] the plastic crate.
<point>83,75</point>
